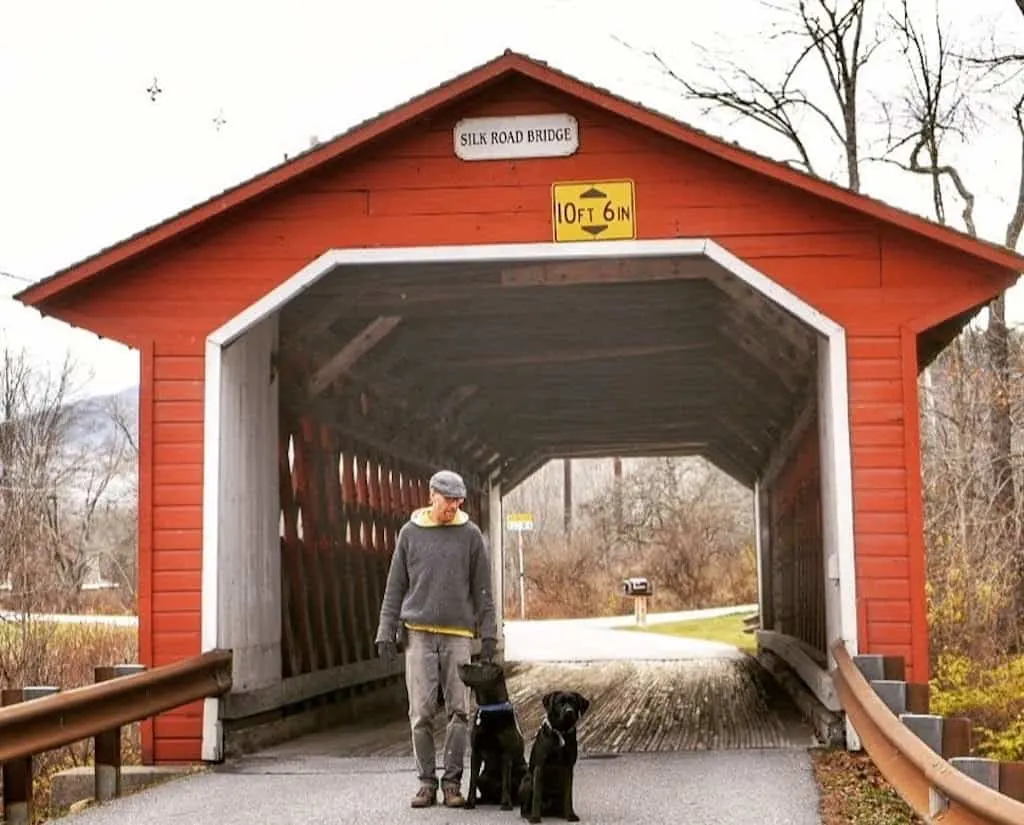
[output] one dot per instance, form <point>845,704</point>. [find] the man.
<point>438,596</point>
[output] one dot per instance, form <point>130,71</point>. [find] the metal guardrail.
<point>932,786</point>
<point>38,719</point>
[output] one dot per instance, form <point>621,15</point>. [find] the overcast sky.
<point>86,157</point>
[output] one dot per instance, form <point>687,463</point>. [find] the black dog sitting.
<point>497,765</point>
<point>547,787</point>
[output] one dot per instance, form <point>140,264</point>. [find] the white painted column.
<point>836,493</point>
<point>241,587</point>
<point>837,503</point>
<point>496,539</point>
<point>759,552</point>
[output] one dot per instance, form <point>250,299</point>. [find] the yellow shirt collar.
<point>422,518</point>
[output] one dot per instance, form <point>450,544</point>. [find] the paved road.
<point>652,618</point>
<point>604,621</point>
<point>715,788</point>
<point>72,618</point>
<point>568,641</point>
<point>313,780</point>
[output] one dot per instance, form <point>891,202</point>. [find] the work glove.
<point>387,650</point>
<point>488,648</point>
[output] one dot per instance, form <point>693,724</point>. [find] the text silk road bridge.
<point>317,340</point>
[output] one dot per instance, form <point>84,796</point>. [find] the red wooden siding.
<point>884,583</point>
<point>175,442</point>
<point>408,189</point>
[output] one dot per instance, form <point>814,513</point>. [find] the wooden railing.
<point>932,785</point>
<point>37,719</point>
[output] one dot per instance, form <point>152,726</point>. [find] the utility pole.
<point>522,576</point>
<point>617,472</point>
<point>567,497</point>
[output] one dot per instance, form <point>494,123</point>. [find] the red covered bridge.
<point>512,267</point>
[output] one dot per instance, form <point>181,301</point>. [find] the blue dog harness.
<point>506,705</point>
<point>498,707</point>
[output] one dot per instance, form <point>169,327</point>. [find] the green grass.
<point>727,629</point>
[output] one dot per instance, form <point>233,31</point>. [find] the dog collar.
<point>555,731</point>
<point>506,705</point>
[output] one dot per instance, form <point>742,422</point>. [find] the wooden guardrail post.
<point>17,773</point>
<point>107,744</point>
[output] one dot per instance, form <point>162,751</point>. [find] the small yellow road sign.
<point>593,211</point>
<point>519,521</point>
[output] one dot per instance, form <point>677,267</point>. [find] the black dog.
<point>497,765</point>
<point>547,787</point>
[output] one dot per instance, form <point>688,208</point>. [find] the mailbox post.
<point>639,589</point>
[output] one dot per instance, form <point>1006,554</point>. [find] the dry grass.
<point>853,792</point>
<point>65,656</point>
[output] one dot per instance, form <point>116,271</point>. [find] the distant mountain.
<point>93,419</point>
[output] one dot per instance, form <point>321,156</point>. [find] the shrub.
<point>64,656</point>
<point>991,697</point>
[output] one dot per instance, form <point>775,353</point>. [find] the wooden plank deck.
<point>637,706</point>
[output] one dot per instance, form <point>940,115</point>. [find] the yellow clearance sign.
<point>597,211</point>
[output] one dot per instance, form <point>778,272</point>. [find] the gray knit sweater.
<point>439,579</point>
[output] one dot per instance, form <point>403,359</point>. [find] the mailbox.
<point>636,586</point>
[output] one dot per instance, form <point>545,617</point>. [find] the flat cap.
<point>448,484</point>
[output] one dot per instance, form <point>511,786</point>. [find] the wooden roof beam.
<point>518,470</point>
<point>608,271</point>
<point>428,462</point>
<point>805,410</point>
<point>346,357</point>
<point>753,442</point>
<point>753,304</point>
<point>776,363</point>
<point>628,449</point>
<point>439,411</point>
<point>738,471</point>
<point>333,299</point>
<point>566,357</point>
<point>698,409</point>
<point>373,426</point>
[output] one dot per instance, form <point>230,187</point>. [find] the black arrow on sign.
<point>593,192</point>
<point>595,230</point>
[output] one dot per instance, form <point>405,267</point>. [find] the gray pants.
<point>432,659</point>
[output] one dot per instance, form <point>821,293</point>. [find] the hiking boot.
<point>453,798</point>
<point>425,797</point>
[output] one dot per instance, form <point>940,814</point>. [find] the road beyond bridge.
<point>678,729</point>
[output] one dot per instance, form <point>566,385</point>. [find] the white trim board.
<point>759,551</point>
<point>834,429</point>
<point>212,742</point>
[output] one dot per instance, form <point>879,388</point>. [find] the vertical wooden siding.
<point>341,508</point>
<point>798,592</point>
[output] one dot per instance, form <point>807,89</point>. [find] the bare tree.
<point>67,475</point>
<point>971,570</point>
<point>682,523</point>
<point>34,421</point>
<point>116,523</point>
<point>951,90</point>
<point>1002,69</point>
<point>830,41</point>
<point>951,87</point>
<point>101,456</point>
<point>937,106</point>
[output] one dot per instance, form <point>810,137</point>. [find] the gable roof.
<point>509,63</point>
